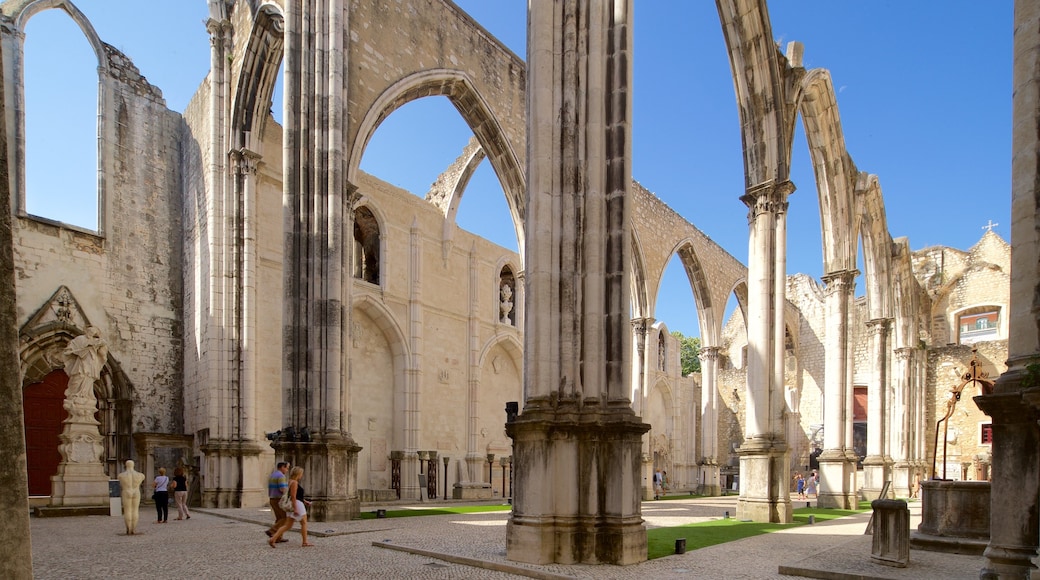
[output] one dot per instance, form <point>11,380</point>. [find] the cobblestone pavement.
<point>230,543</point>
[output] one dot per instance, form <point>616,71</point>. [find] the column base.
<point>764,482</point>
<point>330,466</point>
<point>837,481</point>
<point>79,484</point>
<point>875,474</point>
<point>709,479</point>
<point>577,484</point>
<point>227,482</point>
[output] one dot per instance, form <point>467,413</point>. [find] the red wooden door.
<point>42,405</point>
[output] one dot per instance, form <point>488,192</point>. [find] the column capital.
<point>879,326</point>
<point>245,161</point>
<point>768,197</point>
<point>904,353</point>
<point>840,280</point>
<point>709,353</point>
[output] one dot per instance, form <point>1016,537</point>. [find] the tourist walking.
<point>161,496</point>
<point>799,483</point>
<point>810,485</point>
<point>180,493</point>
<point>277,485</point>
<point>299,513</point>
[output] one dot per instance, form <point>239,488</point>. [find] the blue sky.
<point>924,95</point>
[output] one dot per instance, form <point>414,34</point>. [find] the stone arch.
<point>1000,328</point>
<point>877,246</point>
<point>20,12</point>
<point>757,68</point>
<point>40,354</point>
<point>461,91</point>
<point>510,343</point>
<point>257,76</point>
<point>834,169</point>
<point>401,355</point>
<point>699,285</point>
<point>640,300</point>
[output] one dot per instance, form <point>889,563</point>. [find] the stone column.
<point>1015,497</point>
<point>316,293</point>
<point>577,442</point>
<point>837,469</point>
<point>764,455</point>
<point>81,477</point>
<point>875,465</point>
<point>641,329</point>
<point>17,554</point>
<point>899,428</point>
<point>709,480</point>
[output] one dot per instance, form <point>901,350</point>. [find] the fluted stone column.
<point>316,196</point>
<point>764,465</point>
<point>709,481</point>
<point>875,466</point>
<point>577,442</point>
<point>1015,494</point>
<point>899,428</point>
<point>641,329</point>
<point>837,462</point>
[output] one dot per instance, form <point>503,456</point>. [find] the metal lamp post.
<point>446,460</point>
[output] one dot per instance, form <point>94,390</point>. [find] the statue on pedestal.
<point>506,305</point>
<point>130,491</point>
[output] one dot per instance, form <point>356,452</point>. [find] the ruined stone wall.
<point>963,435</point>
<point>127,280</point>
<point>443,352</point>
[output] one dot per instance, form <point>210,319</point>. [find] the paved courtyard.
<point>230,543</point>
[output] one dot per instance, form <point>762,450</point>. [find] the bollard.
<point>380,514</point>
<point>725,516</point>
<point>680,545</point>
<point>812,519</point>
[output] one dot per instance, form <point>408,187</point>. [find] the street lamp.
<point>491,464</point>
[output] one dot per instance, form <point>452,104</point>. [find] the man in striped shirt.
<point>277,485</point>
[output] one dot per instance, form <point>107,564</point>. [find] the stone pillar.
<point>1014,504</point>
<point>875,465</point>
<point>709,480</point>
<point>641,329</point>
<point>764,457</point>
<point>899,428</point>
<point>17,553</point>
<point>837,469</point>
<point>81,477</point>
<point>317,195</point>
<point>577,443</point>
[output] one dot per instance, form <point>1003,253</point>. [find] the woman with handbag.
<point>161,496</point>
<point>297,510</point>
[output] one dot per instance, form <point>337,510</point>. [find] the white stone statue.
<point>506,305</point>
<point>130,490</point>
<point>84,358</point>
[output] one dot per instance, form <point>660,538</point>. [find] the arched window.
<point>660,351</point>
<point>507,296</point>
<point>366,246</point>
<point>61,121</point>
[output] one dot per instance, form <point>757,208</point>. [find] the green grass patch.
<point>661,541</point>
<point>465,509</point>
<point>687,496</point>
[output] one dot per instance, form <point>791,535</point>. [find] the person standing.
<point>277,485</point>
<point>299,510</point>
<point>180,493</point>
<point>162,496</point>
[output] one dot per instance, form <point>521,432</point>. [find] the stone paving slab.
<point>230,543</point>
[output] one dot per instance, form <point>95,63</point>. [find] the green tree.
<point>689,349</point>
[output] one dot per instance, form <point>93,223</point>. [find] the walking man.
<point>277,485</point>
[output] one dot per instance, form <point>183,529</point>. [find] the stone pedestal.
<point>764,465</point>
<point>890,544</point>
<point>329,462</point>
<point>902,480</point>
<point>578,484</point>
<point>81,479</point>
